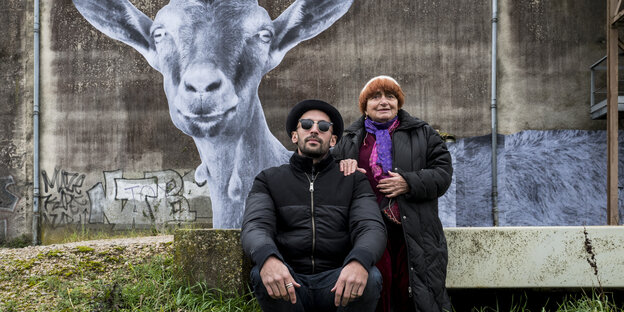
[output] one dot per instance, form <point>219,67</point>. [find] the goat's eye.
<point>265,35</point>
<point>159,34</point>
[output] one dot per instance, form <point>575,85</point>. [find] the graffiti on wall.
<point>63,200</point>
<point>157,198</point>
<point>8,202</point>
<point>160,197</point>
<point>211,80</point>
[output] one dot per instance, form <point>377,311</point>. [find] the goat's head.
<point>212,54</point>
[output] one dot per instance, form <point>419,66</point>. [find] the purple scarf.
<point>381,156</point>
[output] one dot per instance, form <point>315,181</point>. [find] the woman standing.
<point>408,167</point>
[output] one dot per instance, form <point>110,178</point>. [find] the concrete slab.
<point>479,257</point>
<point>535,257</point>
<point>214,257</point>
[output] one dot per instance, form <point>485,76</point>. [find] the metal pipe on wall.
<point>35,224</point>
<point>493,109</point>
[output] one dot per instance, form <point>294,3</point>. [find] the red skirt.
<point>393,267</point>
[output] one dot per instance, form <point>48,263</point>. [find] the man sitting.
<point>313,234</point>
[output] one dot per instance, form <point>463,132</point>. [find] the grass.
<point>583,302</point>
<point>595,302</point>
<point>82,233</point>
<point>85,234</point>
<point>18,242</point>
<point>152,286</point>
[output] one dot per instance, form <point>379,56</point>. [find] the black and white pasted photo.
<point>212,56</point>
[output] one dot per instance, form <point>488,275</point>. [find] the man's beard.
<point>313,152</point>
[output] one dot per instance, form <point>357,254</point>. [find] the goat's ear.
<point>122,21</point>
<point>304,19</point>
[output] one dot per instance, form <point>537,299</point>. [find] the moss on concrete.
<point>214,257</point>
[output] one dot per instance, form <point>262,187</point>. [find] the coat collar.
<point>306,164</point>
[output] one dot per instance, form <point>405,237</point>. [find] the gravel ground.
<point>24,271</point>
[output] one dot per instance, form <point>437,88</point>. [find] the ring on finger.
<point>289,285</point>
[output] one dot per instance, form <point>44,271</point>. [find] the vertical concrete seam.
<point>35,225</point>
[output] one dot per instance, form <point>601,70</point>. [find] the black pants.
<point>314,293</point>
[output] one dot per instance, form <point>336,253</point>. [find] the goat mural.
<point>212,55</point>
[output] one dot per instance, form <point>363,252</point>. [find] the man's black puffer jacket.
<point>420,156</point>
<point>347,224</point>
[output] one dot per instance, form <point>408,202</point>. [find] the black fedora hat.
<point>307,105</point>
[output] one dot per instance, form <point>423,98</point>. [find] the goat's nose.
<point>200,80</point>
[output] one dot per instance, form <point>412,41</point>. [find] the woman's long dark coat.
<point>422,159</point>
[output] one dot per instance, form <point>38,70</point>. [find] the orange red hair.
<point>386,84</point>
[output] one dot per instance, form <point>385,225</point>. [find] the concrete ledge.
<point>535,257</point>
<point>214,257</point>
<point>503,257</point>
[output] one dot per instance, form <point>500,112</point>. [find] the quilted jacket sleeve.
<point>432,181</point>
<point>368,232</point>
<point>341,150</point>
<point>259,223</point>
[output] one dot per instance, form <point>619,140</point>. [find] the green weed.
<point>597,302</point>
<point>83,249</point>
<point>24,265</point>
<point>119,248</point>
<point>18,242</point>
<point>54,253</point>
<point>113,259</point>
<point>62,272</point>
<point>151,286</point>
<point>85,234</point>
<point>91,265</point>
<point>10,306</point>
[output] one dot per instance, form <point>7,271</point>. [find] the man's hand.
<point>278,281</point>
<point>350,284</point>
<point>348,166</point>
<point>393,186</point>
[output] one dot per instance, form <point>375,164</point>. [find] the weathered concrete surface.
<point>438,50</point>
<point>535,257</point>
<point>214,257</point>
<point>111,156</point>
<point>104,109</point>
<point>545,50</point>
<point>16,70</point>
<point>503,257</point>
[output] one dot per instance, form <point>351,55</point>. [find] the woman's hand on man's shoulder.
<point>349,166</point>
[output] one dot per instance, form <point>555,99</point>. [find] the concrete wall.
<point>110,155</point>
<point>16,68</point>
<point>109,148</point>
<point>438,51</point>
<point>546,48</point>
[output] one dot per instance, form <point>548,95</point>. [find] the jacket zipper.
<point>312,217</point>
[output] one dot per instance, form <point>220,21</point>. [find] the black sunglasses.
<point>307,124</point>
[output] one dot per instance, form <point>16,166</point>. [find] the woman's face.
<point>382,106</point>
